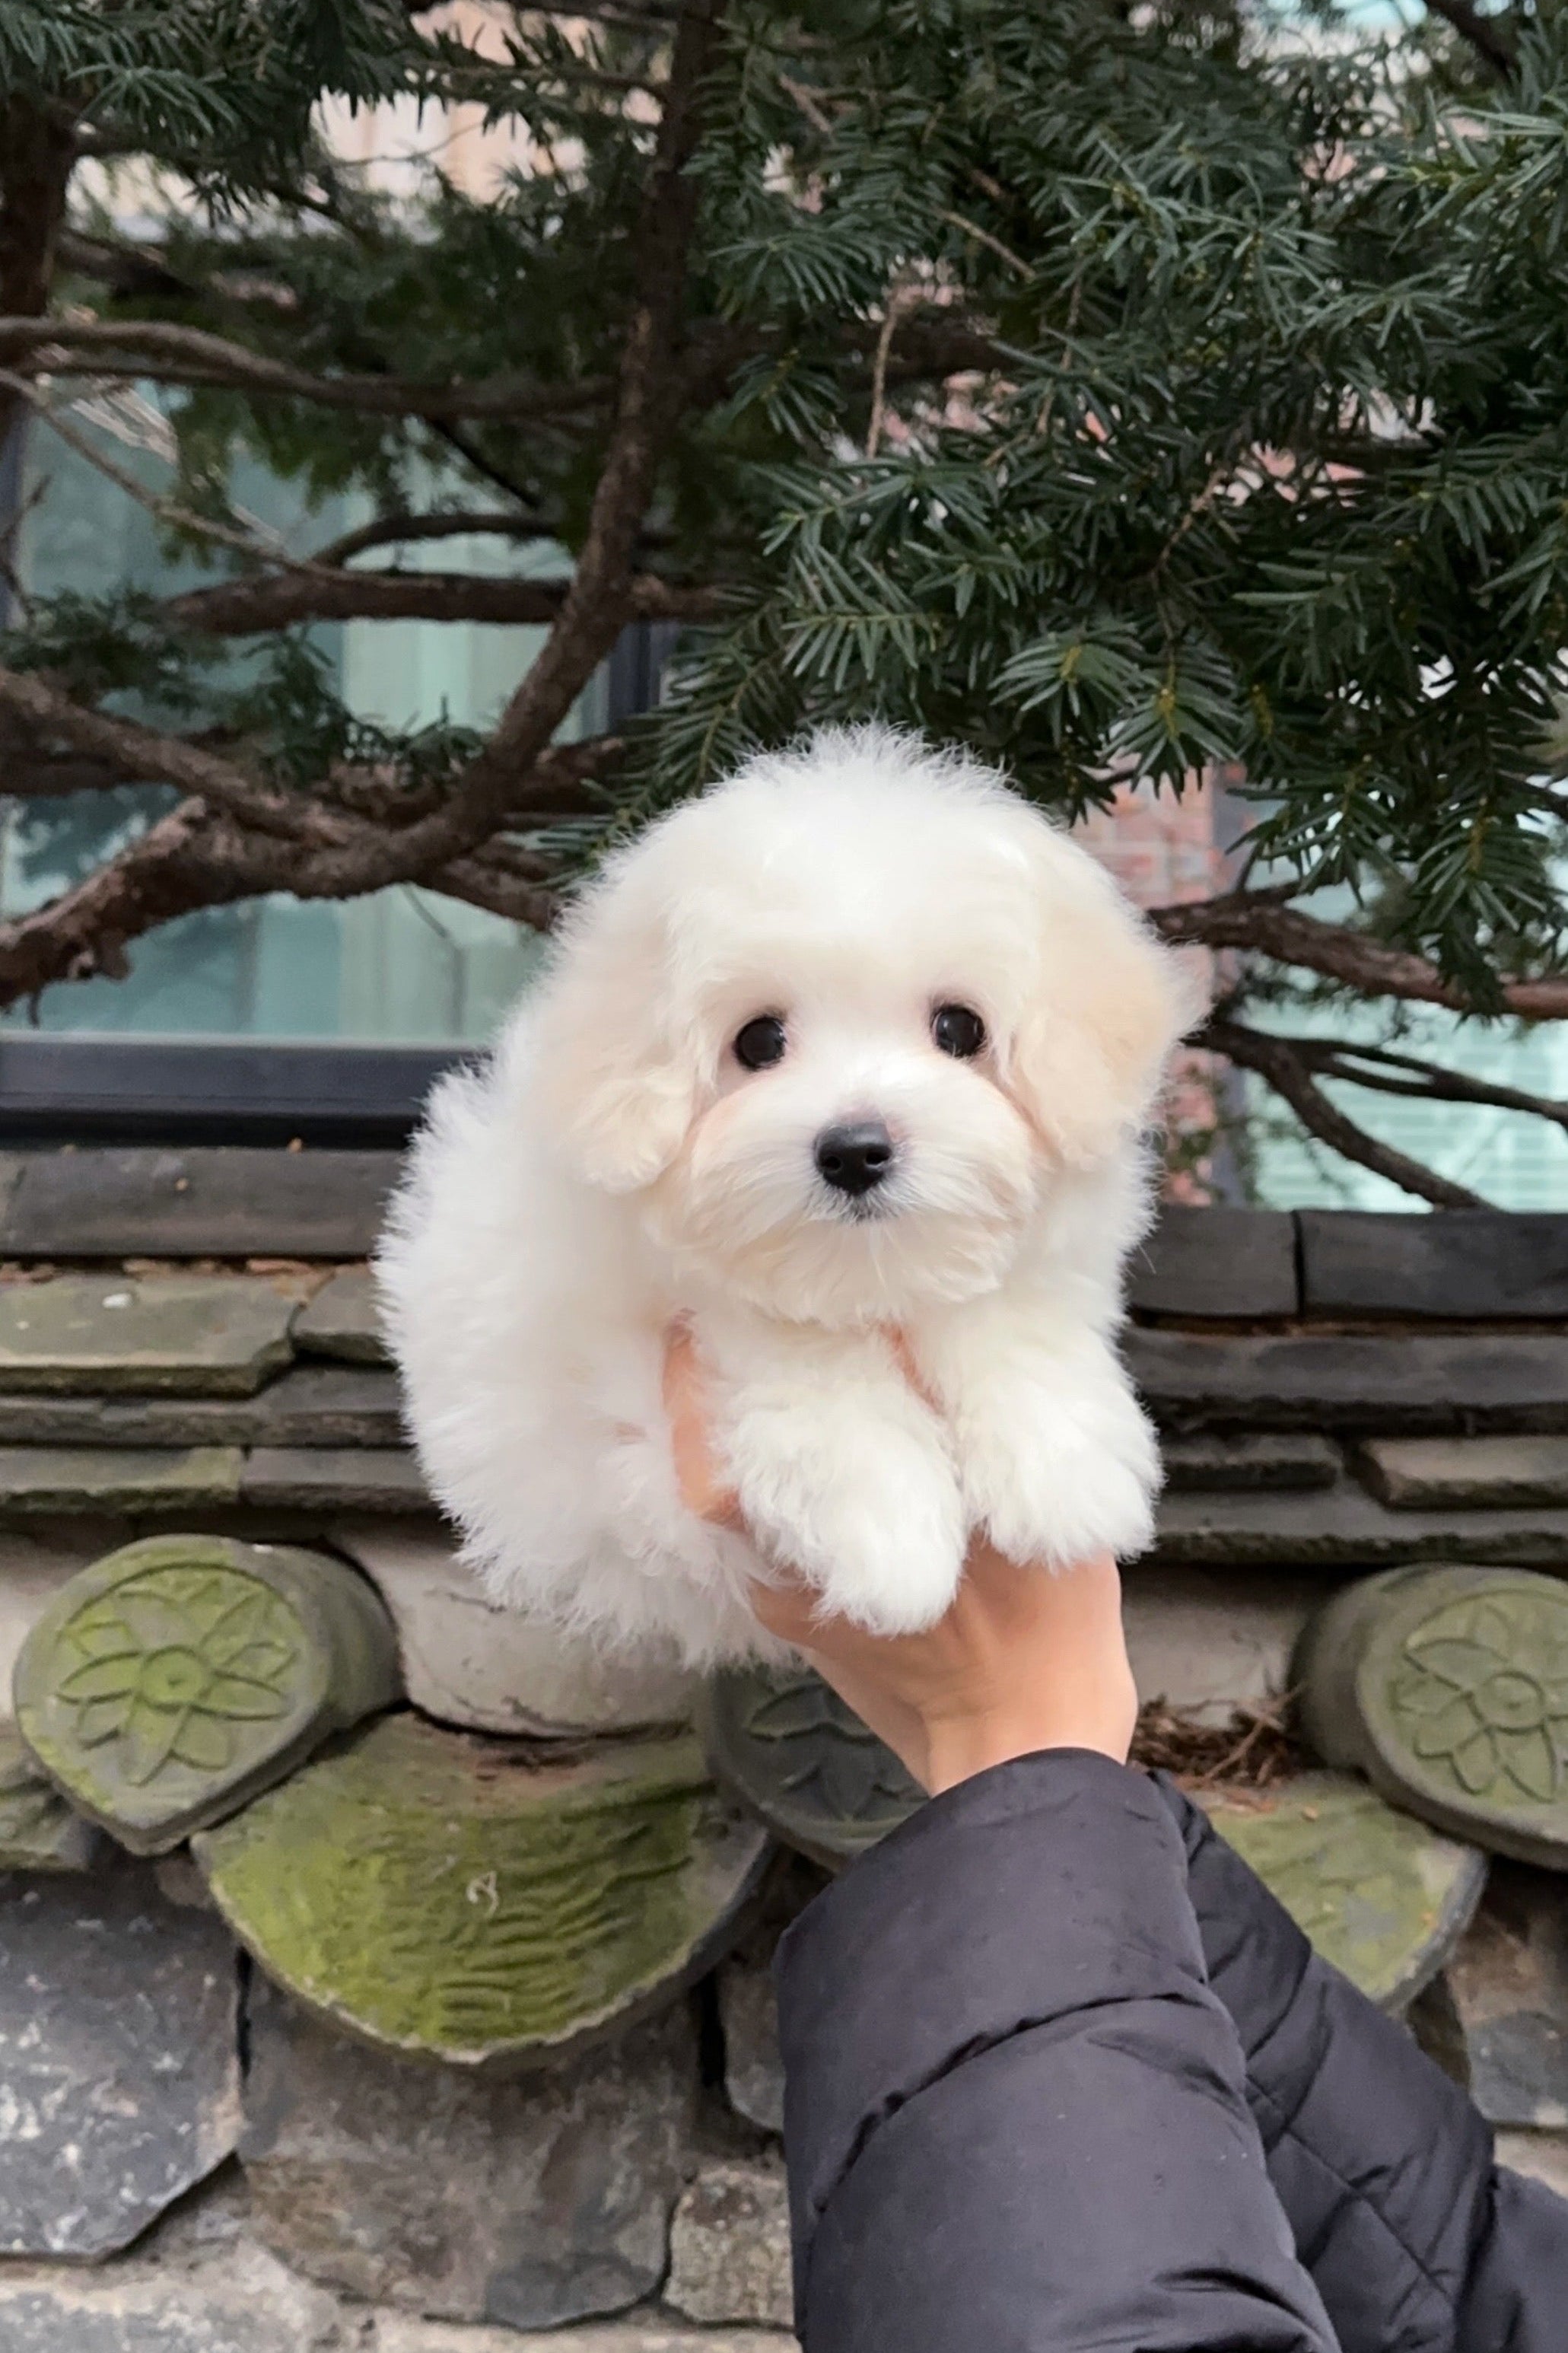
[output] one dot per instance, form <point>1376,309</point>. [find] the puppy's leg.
<point>843,1471</point>
<point>1054,1455</point>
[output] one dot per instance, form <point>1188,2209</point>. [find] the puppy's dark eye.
<point>761,1042</point>
<point>958,1030</point>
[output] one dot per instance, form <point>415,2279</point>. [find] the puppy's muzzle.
<point>854,1158</point>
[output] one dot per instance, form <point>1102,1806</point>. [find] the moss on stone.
<point>1381,1895</point>
<point>171,1681</point>
<point>478,1900</point>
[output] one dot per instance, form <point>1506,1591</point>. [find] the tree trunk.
<point>36,159</point>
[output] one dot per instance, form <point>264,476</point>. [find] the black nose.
<point>854,1159</point>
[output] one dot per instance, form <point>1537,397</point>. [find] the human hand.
<point>1026,1659</point>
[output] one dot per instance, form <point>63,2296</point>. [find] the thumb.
<point>703,1490</point>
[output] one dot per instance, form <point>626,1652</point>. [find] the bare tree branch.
<point>480,882</point>
<point>172,512</point>
<point>171,353</point>
<point>560,784</point>
<point>455,523</point>
<point>1260,921</point>
<point>649,406</point>
<point>137,272</point>
<point>179,354</point>
<point>1278,1060</point>
<point>1383,1071</point>
<point>239,607</point>
<point>143,755</point>
<point>187,860</point>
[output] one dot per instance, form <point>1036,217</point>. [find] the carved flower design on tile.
<point>827,1754</point>
<point>176,1666</point>
<point>1483,1689</point>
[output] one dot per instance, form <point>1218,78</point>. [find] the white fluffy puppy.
<point>857,1044</point>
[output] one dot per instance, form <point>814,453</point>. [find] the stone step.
<point>1216,1262</point>
<point>156,1482</point>
<point>1464,1473</point>
<point>403,2334</point>
<point>1389,1384</point>
<point>481,1901</point>
<point>1446,1265</point>
<point>308,1405</point>
<point>343,1319</point>
<point>239,2299</point>
<point>175,1335</point>
<point>333,1479</point>
<point>1344,1527</point>
<point>1266,1457</point>
<point>163,1687</point>
<point>121,1479</point>
<point>224,1201</point>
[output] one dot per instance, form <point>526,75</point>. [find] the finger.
<point>787,1609</point>
<point>703,1490</point>
<point>911,1370</point>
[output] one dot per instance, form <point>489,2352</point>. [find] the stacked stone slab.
<point>495,1937</point>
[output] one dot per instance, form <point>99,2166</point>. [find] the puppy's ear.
<point>616,1075</point>
<point>1109,1003</point>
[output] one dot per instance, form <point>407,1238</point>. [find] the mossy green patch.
<point>1381,1895</point>
<point>478,1900</point>
<point>170,1682</point>
<point>38,1831</point>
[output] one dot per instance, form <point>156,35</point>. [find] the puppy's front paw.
<point>1056,1478</point>
<point>871,1514</point>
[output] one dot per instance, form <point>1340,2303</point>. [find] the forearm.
<point>1383,2168</point>
<point>1016,2115</point>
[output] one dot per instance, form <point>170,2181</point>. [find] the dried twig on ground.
<point>1253,1750</point>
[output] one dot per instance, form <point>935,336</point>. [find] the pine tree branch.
<point>241,607</point>
<point>649,406</point>
<point>1260,921</point>
<point>1278,1061</point>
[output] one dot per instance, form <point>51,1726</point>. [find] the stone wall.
<point>466,1841</point>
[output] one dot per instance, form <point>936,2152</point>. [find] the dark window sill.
<point>223,1090</point>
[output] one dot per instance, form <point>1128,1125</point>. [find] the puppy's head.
<point>841,1023</point>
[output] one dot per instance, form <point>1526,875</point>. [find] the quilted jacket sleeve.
<point>1416,2240</point>
<point>1016,2114</point>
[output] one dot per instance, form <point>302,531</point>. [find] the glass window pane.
<point>404,966</point>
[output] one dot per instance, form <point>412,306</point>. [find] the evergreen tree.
<point>1119,391</point>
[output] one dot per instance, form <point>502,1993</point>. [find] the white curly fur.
<point>613,1167</point>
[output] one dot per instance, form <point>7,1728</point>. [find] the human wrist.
<point>955,1749</point>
